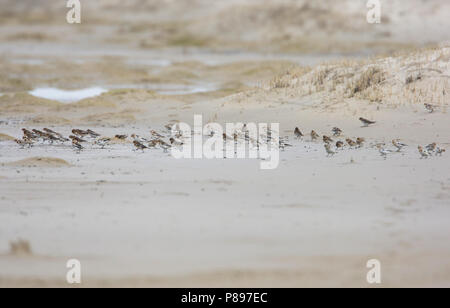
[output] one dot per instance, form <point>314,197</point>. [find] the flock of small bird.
<point>429,150</point>
<point>169,139</point>
<point>80,137</point>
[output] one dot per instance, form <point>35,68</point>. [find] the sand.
<point>147,219</point>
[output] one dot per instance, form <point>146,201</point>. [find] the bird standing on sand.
<point>155,134</point>
<point>23,142</point>
<point>164,145</point>
<point>79,132</point>
<point>29,134</point>
<point>439,151</point>
<point>327,139</point>
<point>55,134</point>
<point>121,137</point>
<point>431,147</point>
<point>314,135</point>
<point>175,142</point>
<point>139,146</point>
<point>336,131</point>
<point>78,147</point>
<point>78,140</point>
<point>339,145</point>
<point>423,153</point>
<point>383,152</point>
<point>398,144</point>
<point>366,122</point>
<point>298,133</point>
<point>138,138</point>
<point>350,142</point>
<point>360,141</point>
<point>429,107</point>
<point>330,152</point>
<point>92,133</point>
<point>102,142</point>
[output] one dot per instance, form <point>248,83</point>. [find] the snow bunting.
<point>439,151</point>
<point>336,131</point>
<point>431,147</point>
<point>327,139</point>
<point>298,133</point>
<point>79,132</point>
<point>121,137</point>
<point>429,107</point>
<point>175,142</point>
<point>92,133</point>
<point>138,138</point>
<point>314,135</point>
<point>339,144</point>
<point>78,140</point>
<point>57,135</point>
<point>139,146</point>
<point>423,153</point>
<point>360,141</point>
<point>366,122</point>
<point>24,142</point>
<point>398,144</point>
<point>330,152</point>
<point>38,133</point>
<point>102,142</point>
<point>383,152</point>
<point>29,135</point>
<point>350,142</point>
<point>78,147</point>
<point>164,145</point>
<point>156,134</point>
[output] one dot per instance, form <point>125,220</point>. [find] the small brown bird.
<point>38,133</point>
<point>175,142</point>
<point>440,151</point>
<point>336,131</point>
<point>24,142</point>
<point>102,142</point>
<point>156,134</point>
<point>55,134</point>
<point>139,146</point>
<point>423,153</point>
<point>79,132</point>
<point>92,133</point>
<point>327,139</point>
<point>78,147</point>
<point>360,141</point>
<point>121,137</point>
<point>383,152</point>
<point>49,137</point>
<point>78,140</point>
<point>350,142</point>
<point>298,133</point>
<point>398,144</point>
<point>29,134</point>
<point>314,135</point>
<point>164,145</point>
<point>431,147</point>
<point>339,144</point>
<point>366,122</point>
<point>429,107</point>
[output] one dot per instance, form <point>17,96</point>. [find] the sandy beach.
<point>145,219</point>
